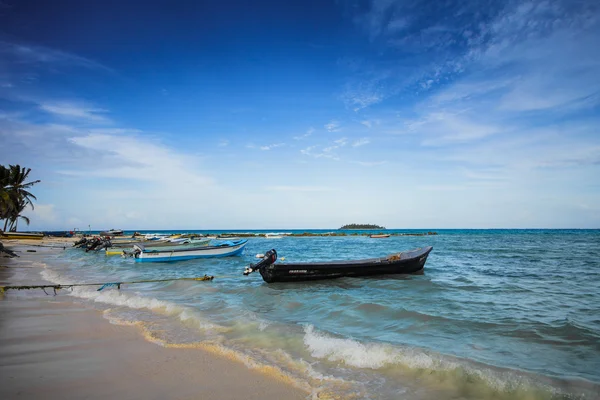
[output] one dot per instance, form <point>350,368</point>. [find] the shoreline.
<point>51,346</point>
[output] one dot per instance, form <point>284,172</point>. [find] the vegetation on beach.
<point>362,226</point>
<point>15,195</point>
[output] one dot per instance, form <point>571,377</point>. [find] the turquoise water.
<point>496,313</point>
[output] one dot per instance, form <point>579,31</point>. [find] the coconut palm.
<point>15,195</point>
<point>4,196</point>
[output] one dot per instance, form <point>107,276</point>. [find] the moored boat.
<point>226,249</point>
<point>157,245</point>
<point>406,262</point>
<point>273,236</point>
<point>112,232</point>
<point>21,235</point>
<point>380,236</point>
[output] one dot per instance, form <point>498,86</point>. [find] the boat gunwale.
<point>203,248</point>
<point>387,260</point>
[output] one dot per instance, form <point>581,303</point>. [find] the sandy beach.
<point>55,348</point>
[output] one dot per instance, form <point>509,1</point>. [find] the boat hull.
<point>407,262</point>
<point>181,254</point>
<point>156,245</point>
<point>21,235</point>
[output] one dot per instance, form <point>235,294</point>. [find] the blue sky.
<point>304,114</point>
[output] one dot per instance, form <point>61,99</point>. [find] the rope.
<point>103,285</point>
<point>64,247</point>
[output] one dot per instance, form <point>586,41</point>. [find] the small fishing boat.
<point>226,249</point>
<point>21,235</point>
<point>156,245</point>
<point>406,262</point>
<point>379,236</point>
<point>112,232</point>
<point>273,236</point>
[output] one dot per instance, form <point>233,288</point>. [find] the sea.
<point>496,314</point>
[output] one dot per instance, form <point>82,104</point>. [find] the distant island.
<point>362,226</point>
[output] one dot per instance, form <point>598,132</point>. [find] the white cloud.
<point>76,111</point>
<point>23,53</point>
<point>361,142</point>
<point>271,146</point>
<point>301,188</point>
<point>367,123</point>
<point>325,153</point>
<point>370,163</point>
<point>309,132</point>
<point>139,159</point>
<point>224,143</point>
<point>362,94</point>
<point>45,213</point>
<point>333,126</point>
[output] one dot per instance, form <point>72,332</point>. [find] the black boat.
<point>406,262</point>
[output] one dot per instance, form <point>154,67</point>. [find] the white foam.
<point>376,356</point>
<point>134,301</point>
<point>360,355</point>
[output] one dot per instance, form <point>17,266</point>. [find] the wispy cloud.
<point>308,133</point>
<point>520,37</point>
<point>131,157</point>
<point>223,143</point>
<point>301,188</point>
<point>370,163</point>
<point>333,126</point>
<point>312,151</point>
<point>76,111</point>
<point>35,54</point>
<point>361,142</point>
<point>46,213</point>
<point>271,146</point>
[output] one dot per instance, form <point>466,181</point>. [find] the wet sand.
<point>55,348</point>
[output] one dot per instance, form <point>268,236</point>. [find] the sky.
<point>303,114</point>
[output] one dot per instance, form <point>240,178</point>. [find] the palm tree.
<point>15,195</point>
<point>4,196</point>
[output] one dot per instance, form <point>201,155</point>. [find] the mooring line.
<point>102,285</point>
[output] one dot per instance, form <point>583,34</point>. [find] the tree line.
<point>15,195</point>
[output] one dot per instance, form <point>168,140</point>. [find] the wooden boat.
<point>226,249</point>
<point>156,245</point>
<point>379,236</point>
<point>21,235</point>
<point>406,262</point>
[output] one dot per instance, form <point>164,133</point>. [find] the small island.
<point>362,226</point>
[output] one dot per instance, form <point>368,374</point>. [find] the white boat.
<point>112,232</point>
<point>227,249</point>
<point>157,245</point>
<point>273,236</point>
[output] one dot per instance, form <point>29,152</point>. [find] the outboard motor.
<point>104,244</point>
<point>93,244</point>
<point>269,258</point>
<point>80,243</point>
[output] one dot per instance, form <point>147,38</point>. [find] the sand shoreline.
<point>56,347</point>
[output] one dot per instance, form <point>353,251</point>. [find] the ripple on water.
<point>491,308</point>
